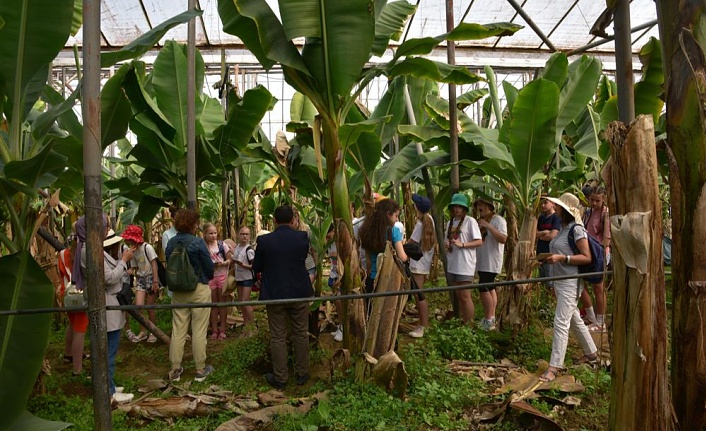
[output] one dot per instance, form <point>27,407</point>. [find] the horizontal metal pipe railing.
<point>309,299</point>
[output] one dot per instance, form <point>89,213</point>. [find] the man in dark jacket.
<point>280,257</point>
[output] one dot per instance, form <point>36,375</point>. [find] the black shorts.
<point>486,277</point>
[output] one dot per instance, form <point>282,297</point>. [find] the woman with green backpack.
<point>189,269</point>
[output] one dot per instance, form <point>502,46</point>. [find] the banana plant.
<point>157,103</point>
<point>340,37</point>
<point>38,149</point>
<point>529,130</point>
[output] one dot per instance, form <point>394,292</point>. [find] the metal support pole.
<point>453,131</point>
<point>532,24</point>
<point>191,111</point>
<point>94,277</point>
<point>600,42</point>
<point>623,62</point>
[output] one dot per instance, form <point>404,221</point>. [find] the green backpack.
<point>180,273</point>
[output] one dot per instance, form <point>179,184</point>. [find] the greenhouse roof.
<point>565,23</point>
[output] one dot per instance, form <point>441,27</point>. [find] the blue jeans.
<point>113,341</point>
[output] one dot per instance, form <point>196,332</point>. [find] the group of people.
<point>474,245</point>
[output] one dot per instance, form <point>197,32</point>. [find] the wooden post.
<point>639,391</point>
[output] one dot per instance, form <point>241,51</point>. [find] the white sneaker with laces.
<point>201,376</point>
<point>338,335</point>
<point>121,397</point>
<point>418,332</point>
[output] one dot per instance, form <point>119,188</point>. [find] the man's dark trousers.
<point>279,316</point>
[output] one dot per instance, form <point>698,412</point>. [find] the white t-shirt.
<point>490,254</point>
<point>462,261</point>
<point>357,224</point>
<point>560,245</point>
<point>423,265</point>
<point>142,260</point>
<point>166,236</point>
<point>244,254</point>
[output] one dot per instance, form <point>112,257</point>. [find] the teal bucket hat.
<point>459,199</point>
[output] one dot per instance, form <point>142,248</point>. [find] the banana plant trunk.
<point>348,262</point>
<point>639,351</point>
<point>514,310</point>
<point>682,25</point>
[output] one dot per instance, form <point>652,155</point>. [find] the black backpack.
<point>180,273</point>
<point>597,257</point>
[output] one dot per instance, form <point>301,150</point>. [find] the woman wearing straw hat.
<point>462,238</point>
<point>113,271</point>
<point>566,315</point>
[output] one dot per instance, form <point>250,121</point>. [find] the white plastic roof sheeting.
<point>565,22</point>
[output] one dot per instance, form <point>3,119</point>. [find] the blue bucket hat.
<point>459,199</point>
<point>422,203</point>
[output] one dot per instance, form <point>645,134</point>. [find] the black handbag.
<point>413,250</point>
<point>126,295</point>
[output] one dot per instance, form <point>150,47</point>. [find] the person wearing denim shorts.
<point>243,256</point>
<point>462,238</point>
<point>489,257</point>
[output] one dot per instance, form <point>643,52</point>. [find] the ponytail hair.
<point>428,234</point>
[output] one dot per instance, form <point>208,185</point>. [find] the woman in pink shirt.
<point>597,223</point>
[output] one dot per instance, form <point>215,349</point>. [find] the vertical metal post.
<point>90,106</point>
<point>623,62</point>
<point>236,171</point>
<point>191,111</point>
<point>453,131</point>
<point>113,147</point>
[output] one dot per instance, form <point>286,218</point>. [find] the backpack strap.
<point>247,256</point>
<point>572,241</point>
<point>221,249</point>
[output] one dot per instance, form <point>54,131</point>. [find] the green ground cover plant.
<point>437,399</point>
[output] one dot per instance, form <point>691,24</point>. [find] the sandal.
<point>596,328</point>
<point>214,335</point>
<point>69,359</point>
<point>140,337</point>
<point>222,335</point>
<point>588,359</point>
<point>152,338</point>
<point>548,375</point>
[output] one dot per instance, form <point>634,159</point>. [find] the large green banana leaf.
<point>23,338</point>
<point>33,34</point>
<point>170,84</point>
<point>557,68</point>
<point>391,104</point>
<point>244,119</point>
<point>578,90</point>
<point>532,131</point>
<point>649,91</point>
<point>389,24</point>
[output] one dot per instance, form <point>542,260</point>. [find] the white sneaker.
<point>121,397</point>
<point>491,324</point>
<point>338,335</point>
<point>418,332</point>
